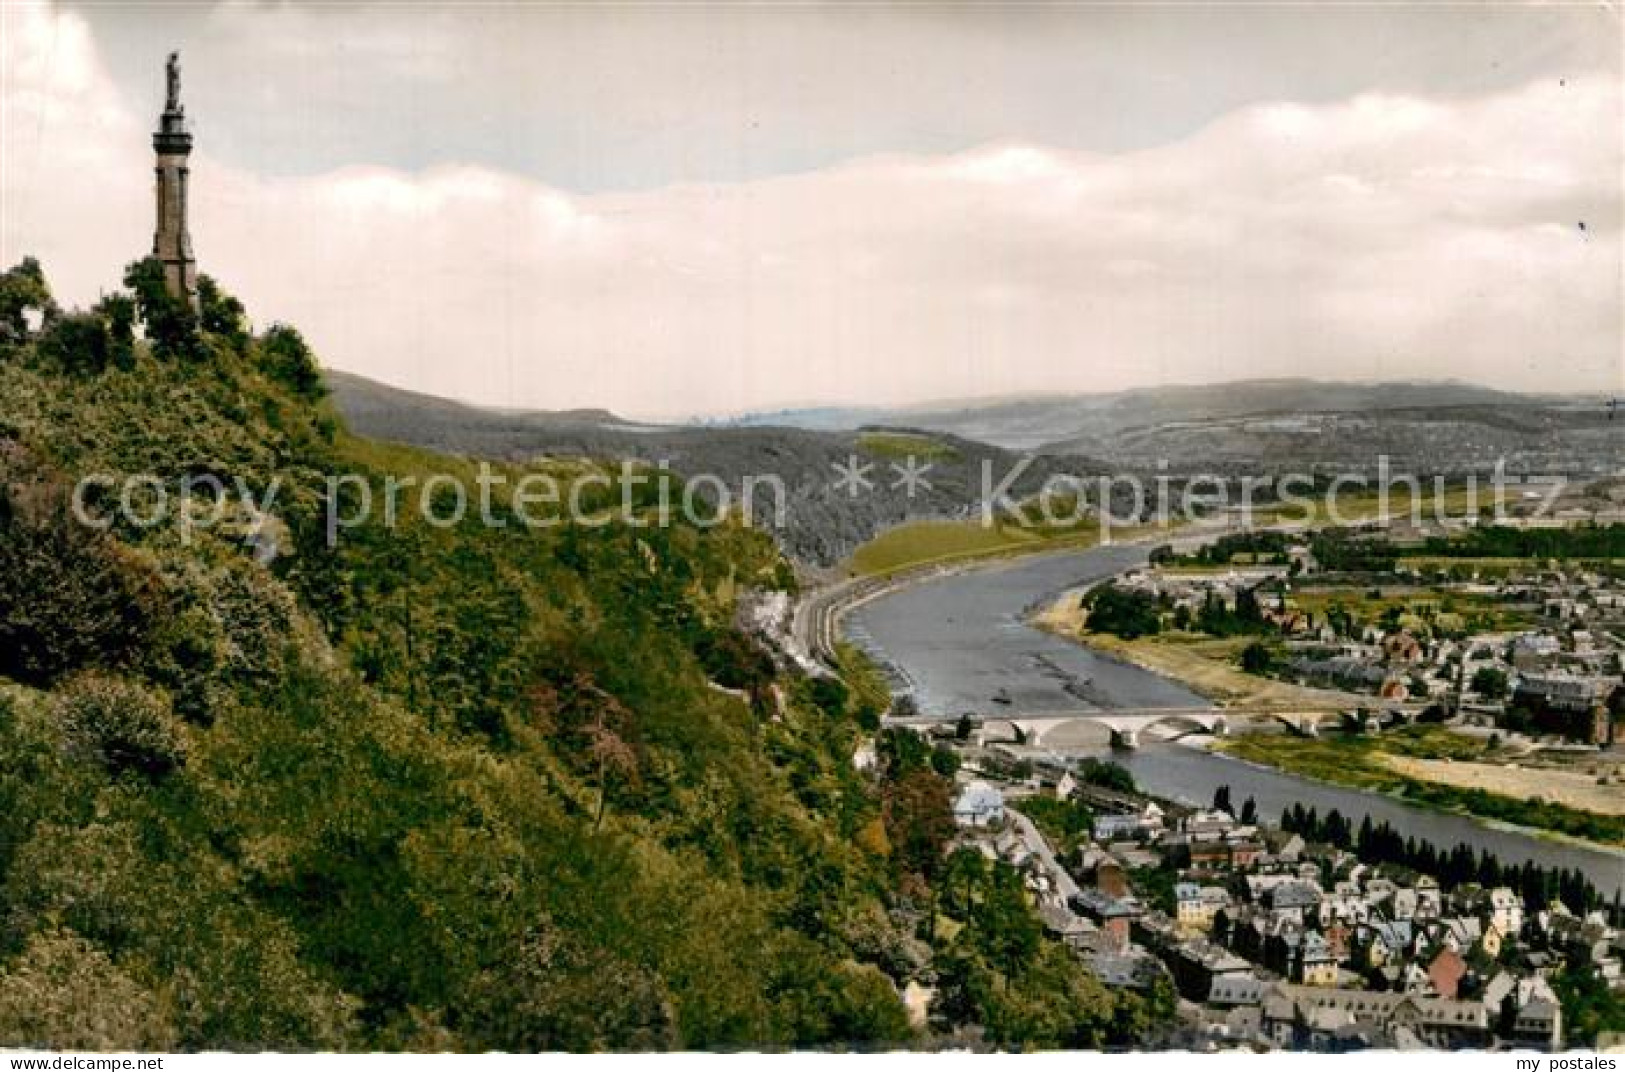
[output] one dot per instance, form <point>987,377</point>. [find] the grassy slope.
<point>900,446</point>
<point>921,542</point>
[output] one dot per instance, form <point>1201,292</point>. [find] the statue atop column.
<point>173,72</point>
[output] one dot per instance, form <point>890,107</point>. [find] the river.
<point>962,644</point>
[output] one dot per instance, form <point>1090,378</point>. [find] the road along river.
<point>962,644</point>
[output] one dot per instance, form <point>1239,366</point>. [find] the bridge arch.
<point>1186,725</point>
<point>1126,729</point>
<point>1307,723</point>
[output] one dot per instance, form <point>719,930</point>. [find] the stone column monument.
<point>171,242</point>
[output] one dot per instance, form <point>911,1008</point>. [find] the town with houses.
<point>1274,941</point>
<point>1533,649</point>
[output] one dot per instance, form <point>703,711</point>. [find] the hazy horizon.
<point>672,213</point>
<point>945,405</point>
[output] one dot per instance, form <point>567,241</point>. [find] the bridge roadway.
<point>1126,724</point>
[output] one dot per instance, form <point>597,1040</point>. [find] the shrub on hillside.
<point>828,694</point>
<point>70,596</point>
<point>229,624</point>
<point>552,993</point>
<point>61,993</point>
<point>734,661</point>
<point>120,726</point>
<point>1257,658</point>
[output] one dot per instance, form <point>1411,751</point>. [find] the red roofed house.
<point>1445,973</point>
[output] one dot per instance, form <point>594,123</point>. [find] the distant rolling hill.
<point>1292,423</point>
<point>1039,421</point>
<point>824,522</point>
<point>382,406</point>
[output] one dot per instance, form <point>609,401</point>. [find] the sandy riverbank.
<point>1573,789</point>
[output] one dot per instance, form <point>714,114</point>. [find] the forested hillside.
<point>484,786</point>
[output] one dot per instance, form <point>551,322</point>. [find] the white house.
<point>1505,910</point>
<point>980,804</point>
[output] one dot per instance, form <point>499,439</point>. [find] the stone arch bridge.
<point>1127,724</point>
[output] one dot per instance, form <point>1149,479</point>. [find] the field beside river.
<point>1407,763</point>
<point>1580,789</point>
<point>1207,665</point>
<point>923,543</point>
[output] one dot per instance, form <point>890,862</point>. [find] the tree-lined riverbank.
<point>1360,763</point>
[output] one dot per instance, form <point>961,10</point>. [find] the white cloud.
<point>1384,236</point>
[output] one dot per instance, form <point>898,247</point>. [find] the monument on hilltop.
<point>171,242</point>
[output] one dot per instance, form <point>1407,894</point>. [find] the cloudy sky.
<point>674,210</point>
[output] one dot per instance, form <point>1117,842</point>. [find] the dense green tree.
<point>221,314</point>
<point>903,752</point>
<point>919,820</point>
<point>170,322</point>
<point>1590,1006</point>
<point>1105,773</point>
<point>290,361</point>
<point>828,693</point>
<point>82,343</point>
<point>1128,613</point>
<point>23,293</point>
<point>1050,1003</point>
<point>1257,658</point>
<point>1490,682</point>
